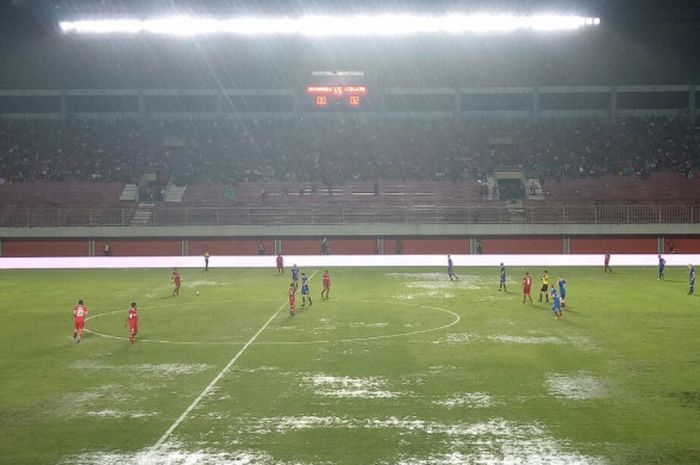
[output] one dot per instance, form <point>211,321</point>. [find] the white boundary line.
<point>318,341</point>
<point>333,261</point>
<point>216,379</point>
<point>209,387</point>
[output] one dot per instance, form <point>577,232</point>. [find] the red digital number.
<point>321,101</point>
<point>354,101</point>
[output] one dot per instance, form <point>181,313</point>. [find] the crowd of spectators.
<point>334,151</point>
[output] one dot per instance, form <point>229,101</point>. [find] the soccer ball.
<point>196,293</point>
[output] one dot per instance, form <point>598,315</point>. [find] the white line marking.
<point>315,341</point>
<point>162,341</point>
<point>221,374</point>
<point>92,316</point>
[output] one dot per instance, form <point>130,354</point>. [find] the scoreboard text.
<point>337,90</point>
<point>323,96</point>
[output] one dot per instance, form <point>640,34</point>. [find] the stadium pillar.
<point>380,246</point>
<point>218,102</point>
<point>566,245</point>
<point>691,104</point>
<point>141,104</point>
<point>64,104</point>
<point>278,246</point>
<point>0,247</point>
<point>297,106</point>
<point>458,103</point>
<point>660,241</point>
<point>91,248</point>
<point>185,247</point>
<point>381,104</point>
<point>613,104</point>
<point>535,103</point>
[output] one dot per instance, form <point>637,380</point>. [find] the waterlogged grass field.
<point>399,366</point>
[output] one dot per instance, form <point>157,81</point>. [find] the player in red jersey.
<point>527,286</point>
<point>292,300</point>
<point>607,264</point>
<point>80,311</point>
<point>132,322</point>
<point>176,282</point>
<point>280,264</point>
<point>326,285</point>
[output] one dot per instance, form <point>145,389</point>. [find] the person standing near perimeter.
<point>206,259</point>
<point>451,269</point>
<point>280,264</point>
<point>527,286</point>
<point>132,322</point>
<point>662,267</point>
<point>80,311</point>
<point>607,264</point>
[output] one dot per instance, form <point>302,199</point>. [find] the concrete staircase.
<point>174,193</point>
<point>533,189</point>
<point>143,214</point>
<point>130,193</point>
<point>516,211</point>
<point>493,192</point>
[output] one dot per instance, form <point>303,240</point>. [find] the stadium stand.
<point>346,170</point>
<point>658,187</point>
<point>73,194</point>
<point>335,152</point>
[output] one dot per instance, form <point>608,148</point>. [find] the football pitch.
<point>399,366</point>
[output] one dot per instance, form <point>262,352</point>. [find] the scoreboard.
<point>337,90</point>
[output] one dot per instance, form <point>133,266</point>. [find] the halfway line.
<point>207,389</point>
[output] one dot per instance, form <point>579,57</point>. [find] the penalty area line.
<point>216,379</point>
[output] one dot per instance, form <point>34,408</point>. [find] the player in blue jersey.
<point>295,276</point>
<point>662,266</point>
<point>556,305</point>
<point>451,269</point>
<point>561,282</point>
<point>305,293</point>
<point>502,279</point>
<point>691,280</point>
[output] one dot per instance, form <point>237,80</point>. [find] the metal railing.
<point>319,215</point>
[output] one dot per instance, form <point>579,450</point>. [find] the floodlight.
<point>330,26</point>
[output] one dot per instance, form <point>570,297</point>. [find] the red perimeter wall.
<point>419,246</point>
<point>229,246</point>
<point>338,246</point>
<point>521,245</point>
<point>599,245</point>
<point>342,246</point>
<point>141,247</point>
<point>42,248</point>
<point>682,244</point>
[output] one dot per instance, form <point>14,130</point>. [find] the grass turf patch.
<point>399,366</point>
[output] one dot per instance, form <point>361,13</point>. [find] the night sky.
<point>638,42</point>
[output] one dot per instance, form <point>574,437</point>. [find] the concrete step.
<point>174,193</point>
<point>533,189</point>
<point>143,214</point>
<point>130,193</point>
